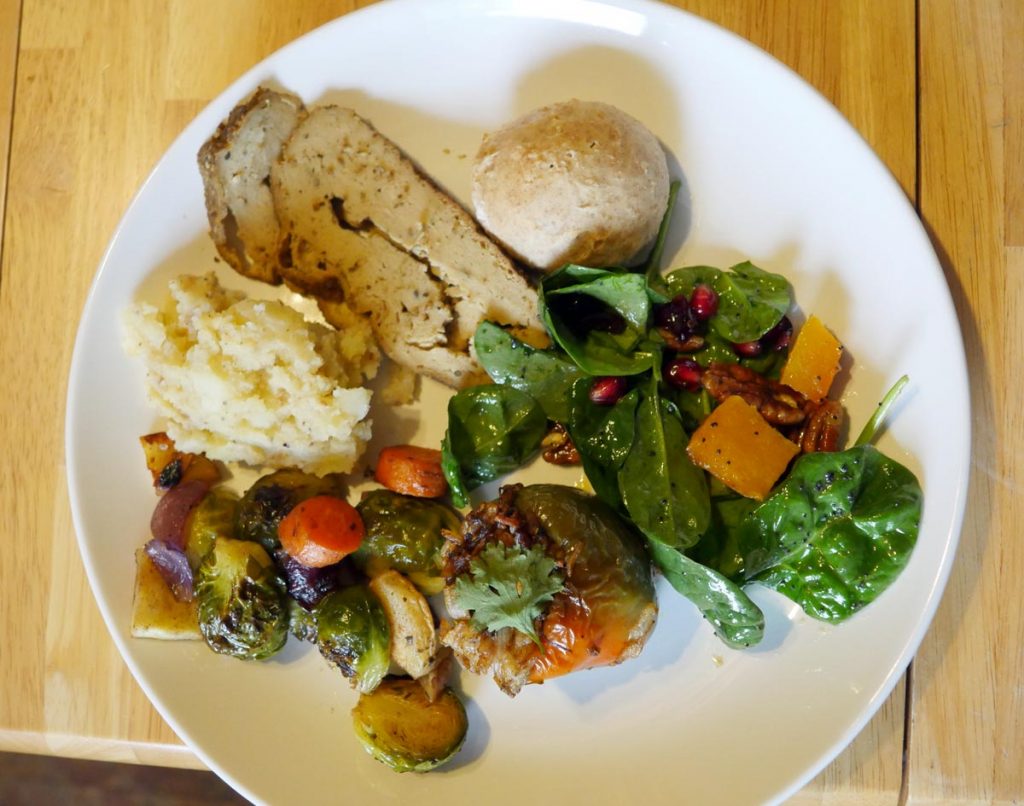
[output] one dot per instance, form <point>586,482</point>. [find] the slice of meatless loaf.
<point>235,165</point>
<point>320,199</point>
<point>360,219</point>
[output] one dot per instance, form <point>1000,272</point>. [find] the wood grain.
<point>967,730</point>
<point>102,89</point>
<point>100,95</point>
<point>10,24</point>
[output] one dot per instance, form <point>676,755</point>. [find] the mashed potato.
<point>247,380</point>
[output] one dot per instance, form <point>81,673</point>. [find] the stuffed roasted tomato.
<point>544,581</point>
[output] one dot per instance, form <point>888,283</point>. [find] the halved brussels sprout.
<point>399,725</point>
<point>301,622</point>
<point>353,634</point>
<point>404,534</point>
<point>274,496</point>
<point>214,517</point>
<point>243,610</point>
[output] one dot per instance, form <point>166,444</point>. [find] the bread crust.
<point>574,182</point>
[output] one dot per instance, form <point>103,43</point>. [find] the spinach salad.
<point>646,372</point>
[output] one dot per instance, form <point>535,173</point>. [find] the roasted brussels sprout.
<point>214,517</point>
<point>242,602</point>
<point>274,496</point>
<point>353,634</point>
<point>399,725</point>
<point>301,622</point>
<point>404,534</point>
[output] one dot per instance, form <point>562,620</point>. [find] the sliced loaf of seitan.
<point>235,165</point>
<point>357,217</point>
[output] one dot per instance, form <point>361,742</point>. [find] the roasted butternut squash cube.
<point>160,452</point>
<point>170,467</point>
<point>814,360</point>
<point>736,445</point>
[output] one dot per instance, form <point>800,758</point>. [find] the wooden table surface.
<point>92,93</point>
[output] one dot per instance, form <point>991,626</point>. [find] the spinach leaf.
<point>656,287</point>
<point>683,281</point>
<point>693,407</point>
<point>453,473</point>
<point>736,619</point>
<point>751,301</point>
<point>719,547</point>
<point>492,430</point>
<point>836,532</point>
<point>665,494</point>
<point>603,436</point>
<point>872,426</point>
<point>599,317</point>
<point>716,350</point>
<point>544,375</point>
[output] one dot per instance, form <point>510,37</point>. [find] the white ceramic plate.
<point>774,174</point>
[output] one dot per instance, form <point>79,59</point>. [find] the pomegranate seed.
<point>704,302</point>
<point>748,349</point>
<point>683,373</point>
<point>677,317</point>
<point>778,337</point>
<point>608,390</point>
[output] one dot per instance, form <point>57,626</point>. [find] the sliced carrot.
<point>320,531</point>
<point>410,470</point>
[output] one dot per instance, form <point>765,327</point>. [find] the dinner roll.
<point>574,182</point>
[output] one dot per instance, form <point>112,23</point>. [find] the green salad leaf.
<point>733,615</point>
<point>751,301</point>
<point>599,317</point>
<point>506,587</point>
<point>492,430</point>
<point>665,493</point>
<point>656,287</point>
<point>719,547</point>
<point>718,350</point>
<point>603,435</point>
<point>836,532</point>
<point>543,374</point>
<point>874,424</point>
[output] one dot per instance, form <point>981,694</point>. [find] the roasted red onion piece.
<point>173,566</point>
<point>171,512</point>
<point>308,586</point>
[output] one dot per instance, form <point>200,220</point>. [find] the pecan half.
<point>558,448</point>
<point>820,431</point>
<point>779,404</point>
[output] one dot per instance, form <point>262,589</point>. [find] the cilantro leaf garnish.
<point>506,588</point>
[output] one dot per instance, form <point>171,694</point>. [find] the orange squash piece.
<point>736,445</point>
<point>814,360</point>
<point>160,453</point>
